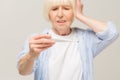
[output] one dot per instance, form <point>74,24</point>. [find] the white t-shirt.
<point>64,61</point>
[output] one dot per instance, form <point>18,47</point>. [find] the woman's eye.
<point>54,9</point>
<point>67,8</point>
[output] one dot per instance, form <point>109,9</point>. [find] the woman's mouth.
<point>61,22</point>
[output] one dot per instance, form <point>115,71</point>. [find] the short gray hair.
<point>50,3</point>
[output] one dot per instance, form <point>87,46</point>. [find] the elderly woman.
<point>62,52</point>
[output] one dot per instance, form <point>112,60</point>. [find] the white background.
<point>21,18</point>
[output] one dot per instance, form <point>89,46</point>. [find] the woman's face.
<point>61,17</point>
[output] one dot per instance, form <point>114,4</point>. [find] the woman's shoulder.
<point>86,31</point>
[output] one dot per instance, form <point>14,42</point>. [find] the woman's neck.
<point>62,32</point>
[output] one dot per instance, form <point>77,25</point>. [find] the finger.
<point>38,50</point>
<point>47,41</point>
<point>78,2</point>
<point>42,41</point>
<point>41,36</point>
<point>41,46</point>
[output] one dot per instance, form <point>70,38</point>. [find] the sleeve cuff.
<point>109,32</point>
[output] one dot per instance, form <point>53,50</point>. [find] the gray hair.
<point>50,3</point>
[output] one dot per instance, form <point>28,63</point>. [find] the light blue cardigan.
<point>90,45</point>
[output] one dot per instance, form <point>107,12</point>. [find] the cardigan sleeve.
<point>101,40</point>
<point>24,52</point>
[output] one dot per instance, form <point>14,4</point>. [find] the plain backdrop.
<point>21,18</point>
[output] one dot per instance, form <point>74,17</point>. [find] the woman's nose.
<point>60,13</point>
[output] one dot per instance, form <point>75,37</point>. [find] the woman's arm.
<point>97,26</point>
<point>37,44</point>
<point>25,64</point>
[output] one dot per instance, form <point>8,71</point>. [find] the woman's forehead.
<point>60,2</point>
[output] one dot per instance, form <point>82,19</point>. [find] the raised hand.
<point>79,9</point>
<point>39,43</point>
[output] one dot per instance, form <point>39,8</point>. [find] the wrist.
<point>80,17</point>
<point>31,56</point>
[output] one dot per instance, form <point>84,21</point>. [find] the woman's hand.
<point>95,25</point>
<point>79,9</point>
<point>39,43</point>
